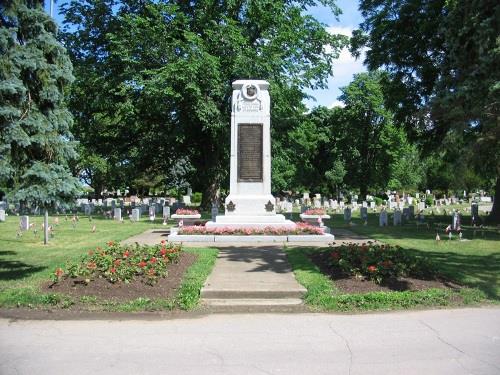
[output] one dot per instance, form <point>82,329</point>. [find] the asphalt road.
<point>465,341</point>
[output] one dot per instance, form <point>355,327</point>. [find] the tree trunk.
<point>494,216</point>
<point>46,227</point>
<point>210,195</point>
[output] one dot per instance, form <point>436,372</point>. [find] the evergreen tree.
<point>36,144</point>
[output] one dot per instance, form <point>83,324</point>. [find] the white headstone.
<point>317,203</point>
<point>186,199</point>
<point>421,206</point>
<point>166,212</point>
<point>25,223</point>
<point>341,204</point>
<point>136,214</point>
<point>365,204</point>
<point>372,204</point>
<point>152,213</point>
<point>117,215</point>
<point>2,215</point>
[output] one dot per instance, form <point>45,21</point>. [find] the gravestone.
<point>406,214</point>
<point>250,202</point>
<point>364,213</point>
<point>474,210</point>
<point>335,204</point>
<point>347,214</point>
<point>136,214</point>
<point>412,211</point>
<point>24,223</point>
<point>215,211</point>
<point>421,206</point>
<point>365,204</point>
<point>456,220</point>
<point>2,215</point>
<point>117,214</point>
<point>382,219</point>
<point>397,218</point>
<point>186,199</point>
<point>152,213</point>
<point>341,204</point>
<point>87,209</point>
<point>372,204</point>
<point>166,212</point>
<point>317,203</point>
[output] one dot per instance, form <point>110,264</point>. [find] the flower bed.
<point>380,263</point>
<point>184,211</point>
<point>300,229</point>
<point>117,263</point>
<point>315,211</point>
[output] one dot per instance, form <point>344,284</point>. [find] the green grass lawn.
<point>25,261</point>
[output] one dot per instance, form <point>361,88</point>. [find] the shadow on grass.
<point>13,269</point>
<point>462,267</point>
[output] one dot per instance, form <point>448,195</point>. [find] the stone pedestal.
<point>250,202</point>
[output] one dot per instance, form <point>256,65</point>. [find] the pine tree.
<point>36,143</point>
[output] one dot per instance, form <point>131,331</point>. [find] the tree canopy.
<point>36,142</point>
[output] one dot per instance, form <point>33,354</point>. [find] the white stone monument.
<point>24,223</point>
<point>136,214</point>
<point>250,202</point>
<point>117,215</point>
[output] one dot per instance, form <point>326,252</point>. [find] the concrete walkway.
<point>455,342</point>
<point>251,276</point>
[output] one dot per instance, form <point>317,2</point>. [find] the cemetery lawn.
<point>26,264</point>
<point>473,263</point>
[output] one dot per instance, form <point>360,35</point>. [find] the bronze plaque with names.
<point>250,152</point>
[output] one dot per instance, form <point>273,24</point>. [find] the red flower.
<point>111,243</point>
<point>372,269</point>
<point>112,270</point>
<point>152,260</point>
<point>117,262</point>
<point>91,265</point>
<point>163,252</point>
<point>126,254</point>
<point>59,272</point>
<point>163,242</point>
<point>142,264</point>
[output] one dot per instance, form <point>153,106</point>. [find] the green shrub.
<point>196,198</point>
<point>429,201</point>
<point>378,262</point>
<point>378,201</point>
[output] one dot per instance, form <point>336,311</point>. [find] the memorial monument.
<point>250,202</point>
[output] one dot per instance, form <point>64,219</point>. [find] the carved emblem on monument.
<point>269,206</point>
<point>248,99</point>
<point>230,206</point>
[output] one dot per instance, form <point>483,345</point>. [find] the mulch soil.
<point>349,284</point>
<point>121,292</point>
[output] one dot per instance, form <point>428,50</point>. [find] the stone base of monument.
<point>264,238</point>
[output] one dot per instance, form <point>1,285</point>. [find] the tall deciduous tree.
<point>154,77</point>
<point>36,143</point>
<point>442,58</point>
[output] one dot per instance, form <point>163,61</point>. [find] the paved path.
<point>440,342</point>
<point>252,276</point>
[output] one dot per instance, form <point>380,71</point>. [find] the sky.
<point>343,69</point>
